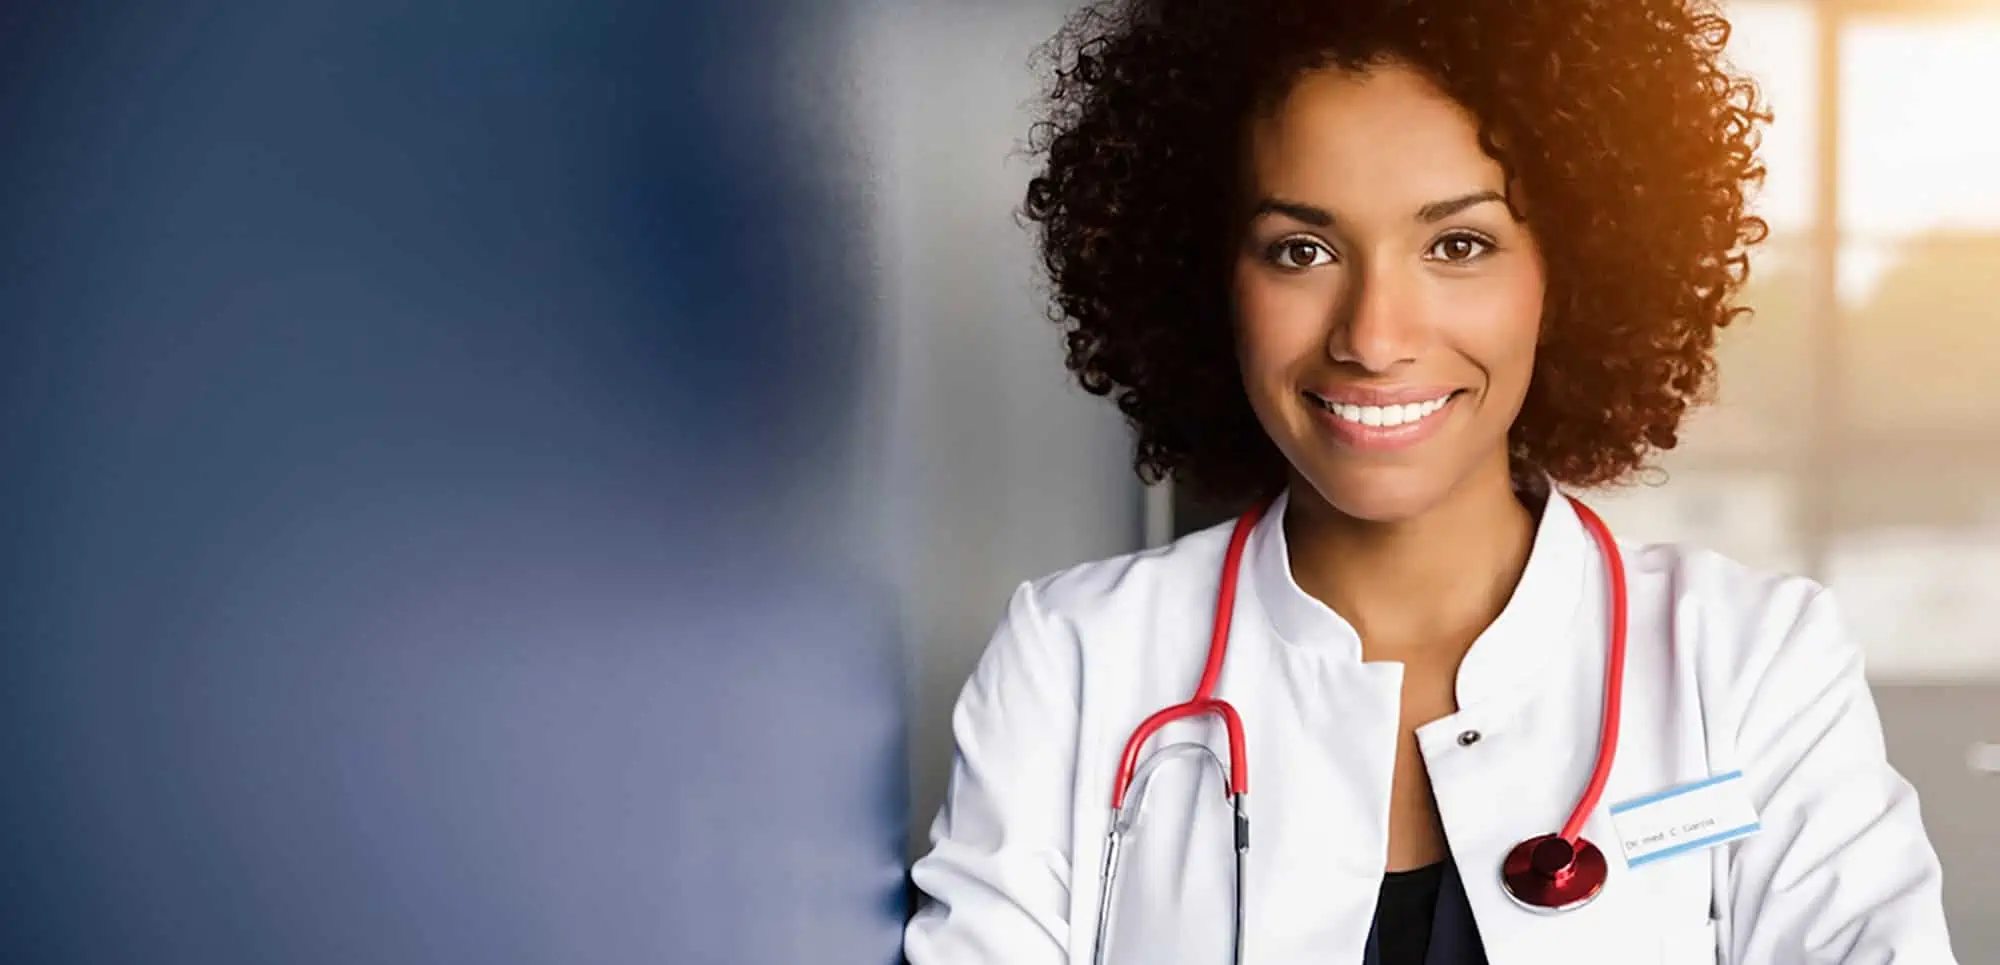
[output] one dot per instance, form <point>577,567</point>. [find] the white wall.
<point>996,467</point>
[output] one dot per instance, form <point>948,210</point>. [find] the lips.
<point>1382,420</point>
<point>1383,416</point>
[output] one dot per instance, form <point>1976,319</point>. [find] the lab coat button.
<point>1468,738</point>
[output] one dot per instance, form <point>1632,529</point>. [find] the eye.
<point>1299,253</point>
<point>1460,248</point>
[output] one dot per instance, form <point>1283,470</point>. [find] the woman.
<point>1405,271</point>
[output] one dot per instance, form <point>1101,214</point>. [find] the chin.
<point>1379,494</point>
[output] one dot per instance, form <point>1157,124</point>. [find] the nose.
<point>1377,327</point>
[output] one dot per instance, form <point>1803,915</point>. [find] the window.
<point>1857,432</point>
<point>1919,318</point>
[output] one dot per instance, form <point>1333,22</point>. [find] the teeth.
<point>1385,416</point>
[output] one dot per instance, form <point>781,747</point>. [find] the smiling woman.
<point>1400,302</point>
<point>1181,131</point>
<point>1392,274</point>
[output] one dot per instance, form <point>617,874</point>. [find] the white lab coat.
<point>1727,669</point>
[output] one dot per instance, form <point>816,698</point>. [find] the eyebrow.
<point>1430,213</point>
<point>1297,211</point>
<point>1440,210</point>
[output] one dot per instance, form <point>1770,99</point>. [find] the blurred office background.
<point>524,480</point>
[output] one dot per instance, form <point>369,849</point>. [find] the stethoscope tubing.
<point>1540,875</point>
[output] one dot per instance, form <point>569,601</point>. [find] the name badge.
<point>1681,819</point>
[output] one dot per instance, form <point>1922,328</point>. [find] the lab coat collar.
<point>1537,618</point>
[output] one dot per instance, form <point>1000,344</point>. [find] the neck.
<point>1413,586</point>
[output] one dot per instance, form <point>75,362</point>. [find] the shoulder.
<point>1753,634</point>
<point>1728,594</point>
<point>1096,610</point>
<point>1123,587</point>
<point>1055,624</point>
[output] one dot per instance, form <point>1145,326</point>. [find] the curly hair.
<point>1621,121</point>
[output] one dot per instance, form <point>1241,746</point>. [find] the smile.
<point>1383,416</point>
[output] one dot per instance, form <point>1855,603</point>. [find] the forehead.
<point>1381,137</point>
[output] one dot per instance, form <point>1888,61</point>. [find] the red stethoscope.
<point>1548,873</point>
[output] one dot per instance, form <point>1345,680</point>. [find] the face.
<point>1388,302</point>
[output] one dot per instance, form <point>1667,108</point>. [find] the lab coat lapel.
<point>1325,726</point>
<point>1312,725</point>
<point>1512,762</point>
<point>1328,729</point>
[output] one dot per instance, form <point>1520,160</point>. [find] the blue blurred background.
<point>428,439</point>
<point>523,481</point>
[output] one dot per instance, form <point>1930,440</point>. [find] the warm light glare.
<point>1919,143</point>
<point>1773,42</point>
<point>1857,426</point>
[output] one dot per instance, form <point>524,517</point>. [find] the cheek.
<point>1501,327</point>
<point>1279,324</point>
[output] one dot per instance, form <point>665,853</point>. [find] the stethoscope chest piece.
<point>1549,874</point>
